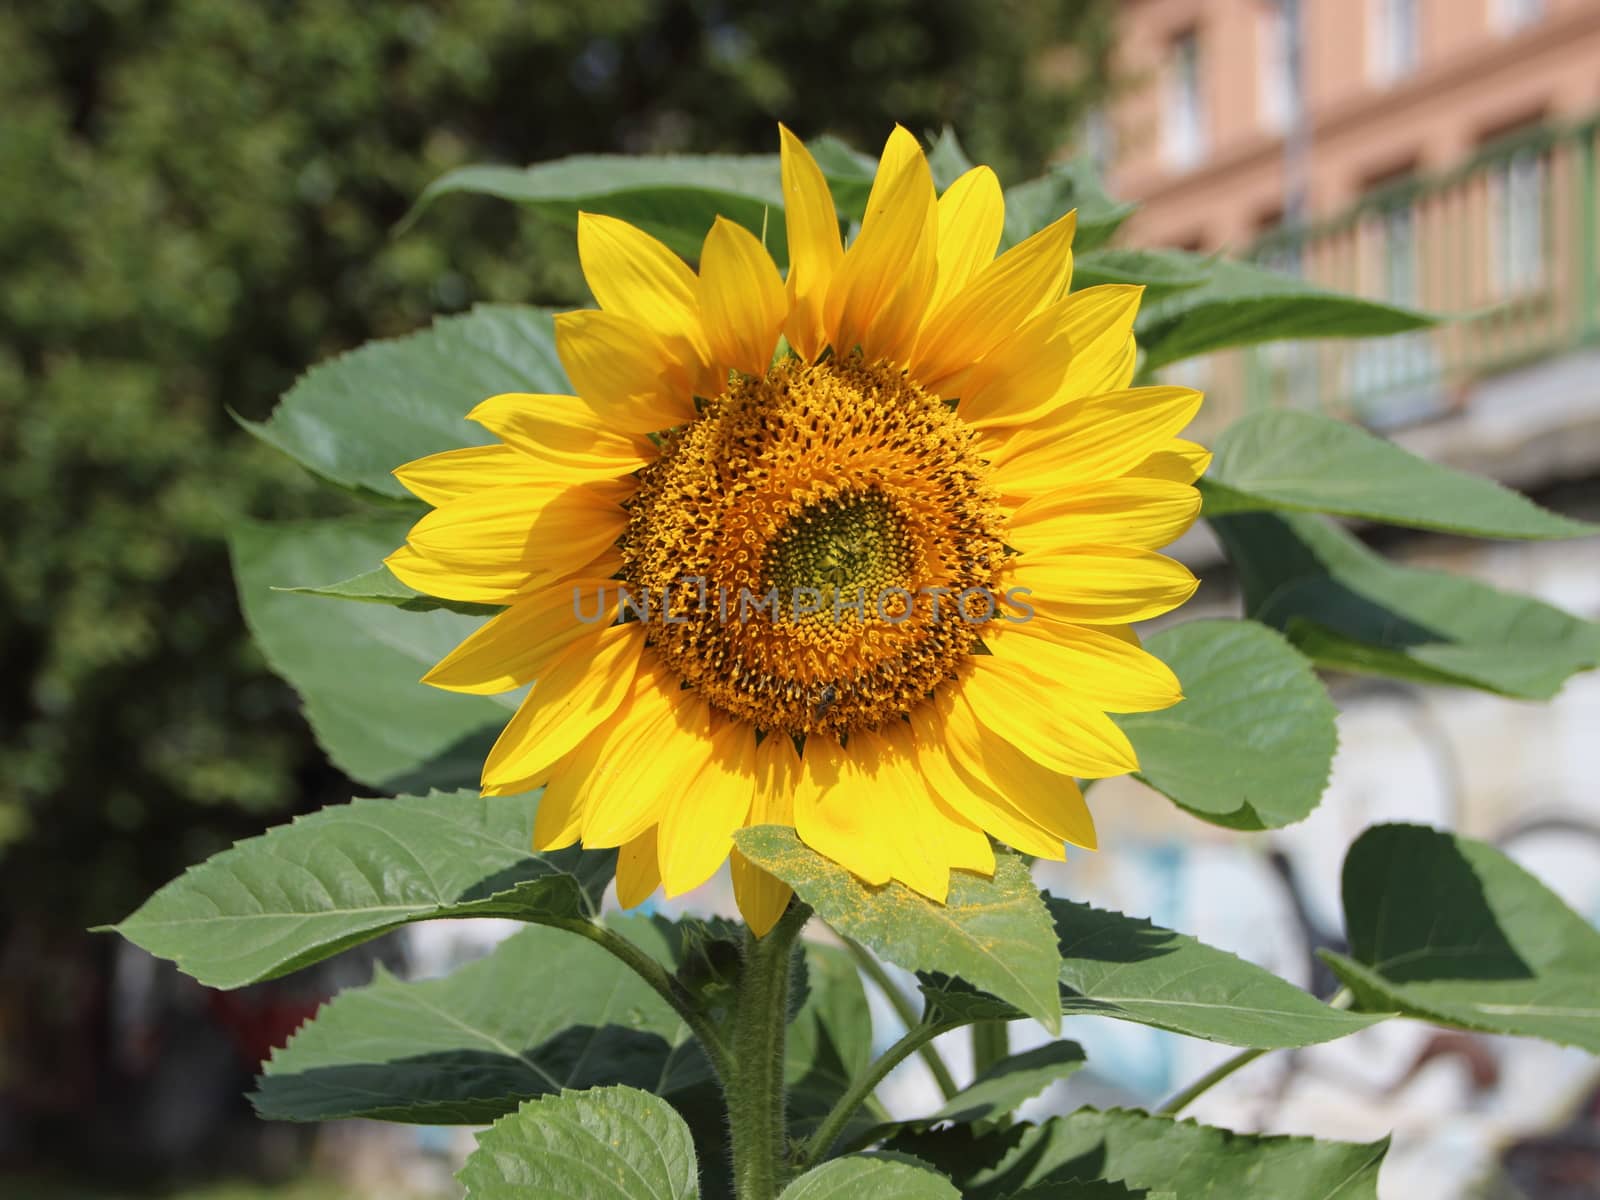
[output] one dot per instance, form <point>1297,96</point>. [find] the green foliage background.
<point>200,202</point>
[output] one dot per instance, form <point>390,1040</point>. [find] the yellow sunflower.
<point>854,551</point>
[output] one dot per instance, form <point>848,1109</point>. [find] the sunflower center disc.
<point>803,544</point>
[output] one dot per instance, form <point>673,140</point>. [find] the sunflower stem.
<point>667,987</point>
<point>1179,1101</point>
<point>991,1042</point>
<point>919,1035</point>
<point>906,1011</point>
<point>754,1086</point>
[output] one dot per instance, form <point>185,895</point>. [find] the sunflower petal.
<point>1178,461</point>
<point>564,431</point>
<point>634,275</point>
<point>1100,585</point>
<point>1068,736</point>
<point>815,249</point>
<point>1006,293</point>
<point>762,897</point>
<point>581,687</point>
<point>1132,511</point>
<point>881,290</point>
<point>632,787</point>
<point>741,297</point>
<point>972,215</point>
<point>638,869</point>
<point>624,371</point>
<point>1105,671</point>
<point>511,649</point>
<point>834,813</point>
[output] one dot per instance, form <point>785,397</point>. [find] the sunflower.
<point>854,551</point>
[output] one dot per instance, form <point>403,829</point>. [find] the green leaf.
<point>1006,1084</point>
<point>1449,929</point>
<point>1252,702</point>
<point>614,1143</point>
<point>829,1043</point>
<point>994,933</point>
<point>381,587</point>
<point>1242,304</point>
<point>357,666</point>
<point>305,891</point>
<point>1309,462</point>
<point>1159,272</point>
<point>883,1177</point>
<point>354,419</point>
<point>1196,1162</point>
<point>1132,970</point>
<point>1032,205</point>
<point>469,1048</point>
<point>1350,609</point>
<point>673,197</point>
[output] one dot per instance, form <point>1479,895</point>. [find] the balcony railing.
<point>1507,244</point>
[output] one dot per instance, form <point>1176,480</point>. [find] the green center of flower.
<point>841,547</point>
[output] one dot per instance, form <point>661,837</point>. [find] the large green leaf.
<point>1449,929</point>
<point>994,933</point>
<point>469,1048</point>
<point>1309,462</point>
<point>354,419</point>
<point>304,891</point>
<point>357,666</point>
<point>882,1177</point>
<point>1252,702</point>
<point>1130,969</point>
<point>1350,609</point>
<point>1032,205</point>
<point>1242,304</point>
<point>829,1043</point>
<point>613,1143</point>
<point>1159,272</point>
<point>674,197</point>
<point>1196,1162</point>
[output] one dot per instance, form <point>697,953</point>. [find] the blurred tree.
<point>198,203</point>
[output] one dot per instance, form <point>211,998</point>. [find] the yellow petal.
<point>763,897</point>
<point>646,767</point>
<point>1048,798</point>
<point>497,587</point>
<point>836,814</point>
<point>970,796</point>
<point>1132,511</point>
<point>439,478</point>
<point>565,431</point>
<point>511,649</point>
<point>1100,585</point>
<point>1097,438</point>
<point>1060,354</point>
<point>697,829</point>
<point>972,215</point>
<point>881,290</point>
<point>814,246</point>
<point>741,298</point>
<point>634,275</point>
<point>904,822</point>
<point>1102,670</point>
<point>959,841</point>
<point>581,687</point>
<point>1179,462</point>
<point>624,371</point>
<point>638,869</point>
<point>1066,735</point>
<point>1008,292</point>
<point>535,533</point>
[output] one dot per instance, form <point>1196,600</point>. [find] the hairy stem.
<point>839,1115</point>
<point>991,1041</point>
<point>907,1012</point>
<point>1179,1101</point>
<point>667,987</point>
<point>757,1115</point>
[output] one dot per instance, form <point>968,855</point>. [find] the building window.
<point>1395,42</point>
<point>1516,214</point>
<point>1400,253</point>
<point>1278,81</point>
<point>1184,121</point>
<point>1508,16</point>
